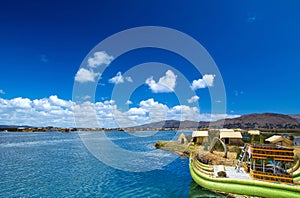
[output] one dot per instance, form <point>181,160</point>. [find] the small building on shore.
<point>231,137</point>
<point>200,137</point>
<point>254,132</point>
<point>279,140</point>
<point>182,139</point>
<point>255,136</point>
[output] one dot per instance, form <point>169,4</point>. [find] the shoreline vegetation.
<point>216,157</point>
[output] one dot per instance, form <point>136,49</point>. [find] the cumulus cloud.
<point>100,58</point>
<point>165,84</point>
<point>58,112</point>
<point>206,81</point>
<point>38,112</point>
<point>84,75</point>
<point>2,92</point>
<point>59,102</point>
<point>153,111</point>
<point>128,102</point>
<point>87,97</point>
<point>120,79</point>
<point>136,111</point>
<point>117,79</point>
<point>193,99</point>
<point>146,112</point>
<point>20,102</point>
<point>184,112</point>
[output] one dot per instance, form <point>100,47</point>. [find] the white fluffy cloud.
<point>193,99</point>
<point>85,75</point>
<point>39,112</point>
<point>99,114</point>
<point>183,112</point>
<point>59,102</point>
<point>58,112</point>
<point>165,84</point>
<point>206,81</point>
<point>2,92</point>
<point>20,102</point>
<point>120,79</point>
<point>153,111</point>
<point>136,111</point>
<point>100,58</point>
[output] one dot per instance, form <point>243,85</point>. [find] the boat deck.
<point>232,173</point>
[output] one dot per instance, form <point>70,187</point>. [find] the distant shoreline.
<point>130,130</point>
<point>265,122</point>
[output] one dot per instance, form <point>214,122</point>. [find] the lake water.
<point>53,164</point>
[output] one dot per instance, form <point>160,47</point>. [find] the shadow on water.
<point>198,191</point>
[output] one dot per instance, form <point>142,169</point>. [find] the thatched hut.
<point>200,137</point>
<point>279,140</point>
<point>255,136</point>
<point>254,132</point>
<point>182,139</point>
<point>231,137</point>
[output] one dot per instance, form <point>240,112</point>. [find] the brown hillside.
<point>265,120</point>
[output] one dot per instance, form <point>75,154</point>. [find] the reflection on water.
<point>197,191</point>
<point>59,165</point>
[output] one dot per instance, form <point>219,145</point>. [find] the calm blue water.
<point>59,165</point>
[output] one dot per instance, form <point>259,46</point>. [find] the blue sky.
<point>255,45</point>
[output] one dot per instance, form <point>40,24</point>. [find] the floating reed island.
<point>262,170</point>
<point>265,166</point>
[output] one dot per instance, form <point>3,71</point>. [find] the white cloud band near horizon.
<point>54,111</point>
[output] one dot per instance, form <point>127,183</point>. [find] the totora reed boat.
<point>261,171</point>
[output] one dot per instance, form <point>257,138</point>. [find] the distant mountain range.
<point>250,121</point>
<point>295,116</point>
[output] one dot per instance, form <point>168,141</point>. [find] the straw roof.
<point>277,138</point>
<point>200,134</point>
<point>230,135</point>
<point>274,138</point>
<point>182,137</point>
<point>254,132</point>
<point>226,130</point>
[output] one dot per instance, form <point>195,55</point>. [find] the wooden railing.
<point>271,177</point>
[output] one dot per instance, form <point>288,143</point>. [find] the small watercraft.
<point>262,170</point>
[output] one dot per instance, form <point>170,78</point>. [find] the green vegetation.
<point>182,150</point>
<point>235,149</point>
